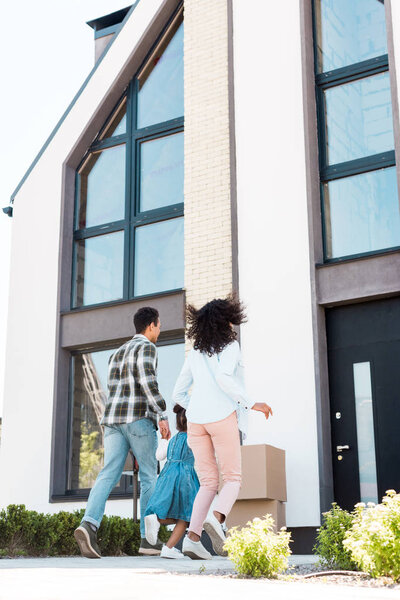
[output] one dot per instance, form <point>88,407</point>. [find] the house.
<point>216,146</point>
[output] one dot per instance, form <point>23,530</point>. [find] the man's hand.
<point>264,408</point>
<point>164,429</point>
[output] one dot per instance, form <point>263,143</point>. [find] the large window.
<point>88,393</point>
<point>360,204</point>
<point>128,232</point>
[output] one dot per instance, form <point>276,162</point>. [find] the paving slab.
<point>146,578</point>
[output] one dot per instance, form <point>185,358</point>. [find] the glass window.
<point>161,172</point>
<point>355,127</point>
<point>365,432</point>
<point>359,119</point>
<point>170,362</point>
<point>99,269</point>
<point>89,393</point>
<point>102,188</point>
<point>362,213</point>
<point>159,257</point>
<point>127,172</point>
<point>160,95</point>
<point>117,122</point>
<point>348,32</point>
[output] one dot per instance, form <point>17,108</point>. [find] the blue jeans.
<point>141,437</point>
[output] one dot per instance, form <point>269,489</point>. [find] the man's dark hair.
<point>210,326</point>
<point>144,317</point>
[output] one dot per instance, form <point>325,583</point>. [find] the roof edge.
<point>70,107</point>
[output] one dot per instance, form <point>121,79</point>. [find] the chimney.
<point>105,28</point>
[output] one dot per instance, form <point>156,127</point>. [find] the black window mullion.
<point>353,72</point>
<point>82,234</point>
<point>110,142</point>
<point>159,214</point>
<point>160,128</point>
<point>128,189</point>
<point>134,89</point>
<point>359,165</point>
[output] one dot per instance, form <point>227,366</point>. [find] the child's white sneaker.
<point>151,525</point>
<point>194,550</point>
<point>170,552</point>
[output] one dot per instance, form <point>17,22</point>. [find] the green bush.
<point>374,539</point>
<point>256,550</point>
<point>330,536</point>
<point>29,533</point>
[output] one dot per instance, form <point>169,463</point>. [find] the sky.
<point>46,52</point>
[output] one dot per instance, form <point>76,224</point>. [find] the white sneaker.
<point>170,552</point>
<point>216,534</point>
<point>195,550</point>
<point>151,525</point>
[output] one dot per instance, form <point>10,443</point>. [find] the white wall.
<point>274,269</point>
<point>25,450</point>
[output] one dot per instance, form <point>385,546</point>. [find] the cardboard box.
<point>246,510</point>
<point>263,473</point>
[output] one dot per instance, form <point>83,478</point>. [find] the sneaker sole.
<point>195,556</point>
<point>152,539</point>
<point>149,552</point>
<point>217,542</point>
<point>83,541</point>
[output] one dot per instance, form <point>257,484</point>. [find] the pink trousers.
<point>212,442</point>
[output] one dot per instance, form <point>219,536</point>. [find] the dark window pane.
<point>349,31</point>
<point>117,123</point>
<point>89,389</point>
<point>89,394</point>
<point>160,95</point>
<point>102,188</point>
<point>99,269</point>
<point>359,119</point>
<point>161,172</point>
<point>159,257</point>
<point>170,361</point>
<point>362,213</point>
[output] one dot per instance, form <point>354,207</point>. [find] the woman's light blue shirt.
<point>218,386</point>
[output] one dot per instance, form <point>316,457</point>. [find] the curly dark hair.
<point>181,422</point>
<point>210,326</point>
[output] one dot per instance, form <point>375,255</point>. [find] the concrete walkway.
<point>145,578</point>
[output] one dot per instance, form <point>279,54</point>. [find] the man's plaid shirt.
<point>132,384</point>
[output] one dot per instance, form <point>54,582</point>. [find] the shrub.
<point>258,551</point>
<point>330,536</point>
<point>26,532</point>
<point>374,539</point>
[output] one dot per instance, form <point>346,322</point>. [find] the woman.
<point>215,411</point>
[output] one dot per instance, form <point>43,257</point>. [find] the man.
<point>130,421</point>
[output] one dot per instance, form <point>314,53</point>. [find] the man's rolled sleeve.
<point>146,364</point>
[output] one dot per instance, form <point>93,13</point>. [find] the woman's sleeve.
<point>185,379</point>
<point>224,370</point>
<point>162,449</point>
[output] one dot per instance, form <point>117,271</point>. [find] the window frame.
<point>133,217</point>
<point>334,78</point>
<point>126,489</point>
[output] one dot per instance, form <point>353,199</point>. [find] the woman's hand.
<point>264,408</point>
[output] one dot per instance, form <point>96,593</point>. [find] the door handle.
<point>340,448</point>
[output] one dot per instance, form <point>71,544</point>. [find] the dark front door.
<point>364,380</point>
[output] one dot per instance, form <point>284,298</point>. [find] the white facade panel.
<point>274,267</point>
<point>25,451</point>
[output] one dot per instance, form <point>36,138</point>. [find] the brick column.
<point>208,222</point>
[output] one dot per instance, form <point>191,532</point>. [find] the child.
<point>175,491</point>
